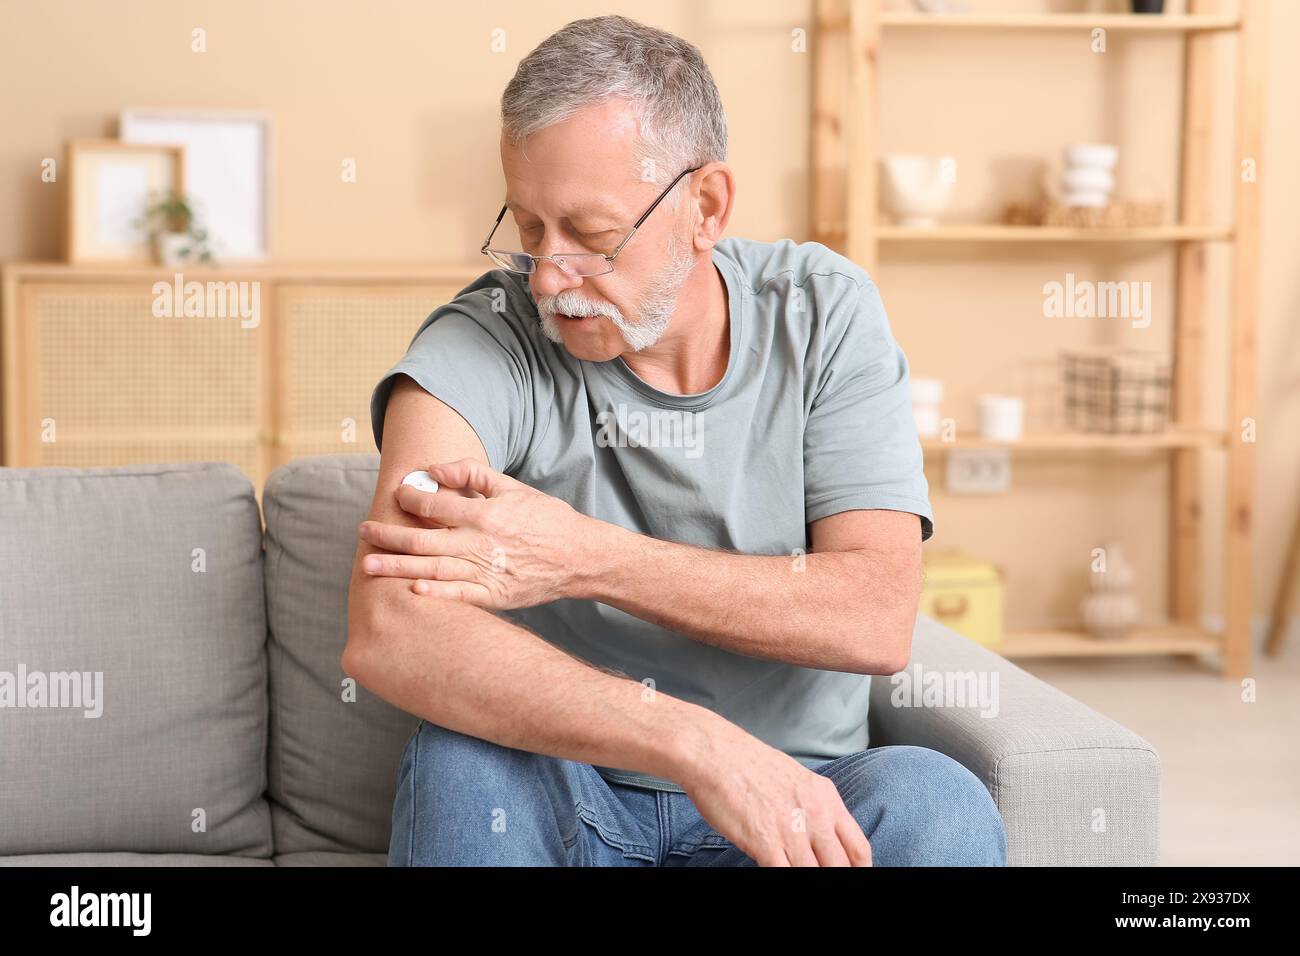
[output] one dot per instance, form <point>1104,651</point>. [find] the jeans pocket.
<point>710,843</point>
<point>630,849</point>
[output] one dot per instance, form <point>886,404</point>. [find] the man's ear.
<point>716,197</point>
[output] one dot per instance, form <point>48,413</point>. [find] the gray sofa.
<point>228,735</point>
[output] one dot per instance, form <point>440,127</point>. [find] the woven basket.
<point>1118,215</point>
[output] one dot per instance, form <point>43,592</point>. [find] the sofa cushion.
<point>333,759</point>
<point>1050,762</point>
<point>133,859</point>
<point>140,588</point>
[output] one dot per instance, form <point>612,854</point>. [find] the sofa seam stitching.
<point>279,756</point>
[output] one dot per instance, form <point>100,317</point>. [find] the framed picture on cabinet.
<point>228,160</point>
<point>110,186</point>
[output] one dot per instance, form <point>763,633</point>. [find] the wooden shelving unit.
<point>845,147</point>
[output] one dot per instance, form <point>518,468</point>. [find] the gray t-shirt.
<point>812,417</point>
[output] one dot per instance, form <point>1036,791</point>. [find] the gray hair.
<point>680,116</point>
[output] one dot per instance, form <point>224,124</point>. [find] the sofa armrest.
<point>1074,787</point>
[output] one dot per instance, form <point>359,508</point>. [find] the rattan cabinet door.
<point>104,379</point>
<point>332,344</point>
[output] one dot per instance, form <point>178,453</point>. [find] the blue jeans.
<point>463,801</point>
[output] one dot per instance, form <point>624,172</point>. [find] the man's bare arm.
<point>848,605</point>
<point>464,668</point>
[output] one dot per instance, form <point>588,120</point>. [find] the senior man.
<point>679,519</point>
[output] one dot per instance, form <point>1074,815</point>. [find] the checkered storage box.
<point>1115,390</point>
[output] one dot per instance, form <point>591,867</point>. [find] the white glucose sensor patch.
<point>420,480</point>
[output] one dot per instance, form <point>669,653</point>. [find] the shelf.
<point>1164,639</point>
<point>1138,23</point>
<point>1088,441</point>
<point>998,233</point>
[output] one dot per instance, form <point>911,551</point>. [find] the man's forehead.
<point>588,205</point>
<point>584,165</point>
<point>569,191</point>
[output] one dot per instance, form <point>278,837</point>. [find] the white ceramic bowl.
<point>1103,155</point>
<point>914,190</point>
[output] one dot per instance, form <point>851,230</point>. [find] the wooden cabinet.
<point>254,366</point>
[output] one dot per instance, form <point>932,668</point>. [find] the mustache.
<point>570,303</point>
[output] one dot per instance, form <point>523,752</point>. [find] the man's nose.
<point>550,279</point>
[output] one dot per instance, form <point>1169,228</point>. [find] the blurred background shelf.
<point>1000,233</point>
<point>1141,23</point>
<point>1088,441</point>
<point>1163,639</point>
<point>997,232</point>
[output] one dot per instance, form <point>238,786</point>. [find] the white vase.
<point>1111,609</point>
<point>1110,615</point>
<point>1120,575</point>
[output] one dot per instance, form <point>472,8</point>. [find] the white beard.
<point>654,310</point>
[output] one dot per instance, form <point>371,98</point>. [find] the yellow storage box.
<point>964,593</point>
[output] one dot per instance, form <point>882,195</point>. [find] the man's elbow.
<point>380,612</point>
<point>889,646</point>
<point>364,629</point>
<point>352,660</point>
<point>901,646</point>
<point>888,625</point>
<point>900,622</point>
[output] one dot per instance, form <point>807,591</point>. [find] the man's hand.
<point>488,540</point>
<point>773,808</point>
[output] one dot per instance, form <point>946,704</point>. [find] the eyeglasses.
<point>582,264</point>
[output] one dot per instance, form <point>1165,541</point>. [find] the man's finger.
<point>454,591</point>
<point>799,850</point>
<point>469,474</point>
<point>854,840</point>
<point>403,539</point>
<point>827,846</point>
<point>411,566</point>
<point>449,510</point>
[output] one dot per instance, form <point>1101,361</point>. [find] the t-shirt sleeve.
<point>475,368</point>
<point>861,449</point>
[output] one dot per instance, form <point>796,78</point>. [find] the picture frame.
<point>228,161</point>
<point>110,184</point>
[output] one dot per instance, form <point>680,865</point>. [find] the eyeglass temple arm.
<point>501,215</point>
<point>646,215</point>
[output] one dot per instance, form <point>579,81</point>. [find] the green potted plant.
<point>174,231</point>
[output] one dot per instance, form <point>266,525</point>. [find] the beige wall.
<point>410,92</point>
